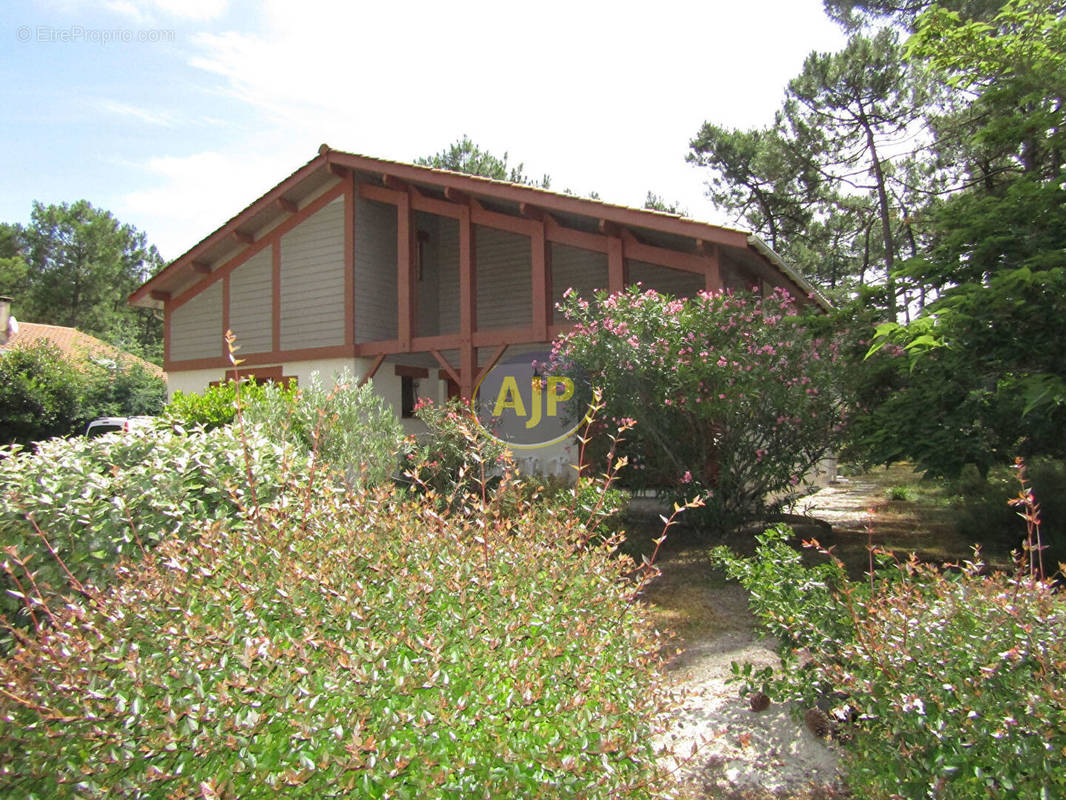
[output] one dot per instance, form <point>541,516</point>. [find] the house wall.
<point>666,280</point>
<point>375,271</point>
<point>196,327</point>
<point>504,279</point>
<point>312,281</point>
<point>251,314</point>
<point>448,275</point>
<point>584,271</point>
<point>427,277</point>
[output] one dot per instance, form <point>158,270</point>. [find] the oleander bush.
<point>736,397</point>
<point>943,683</point>
<point>325,643</point>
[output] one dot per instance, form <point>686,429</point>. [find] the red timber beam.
<point>713,276</point>
<point>467,303</point>
<point>448,369</point>
<point>373,369</point>
<point>492,362</point>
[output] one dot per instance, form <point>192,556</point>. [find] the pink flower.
<point>687,477</point>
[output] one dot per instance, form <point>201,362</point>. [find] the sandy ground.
<point>740,753</point>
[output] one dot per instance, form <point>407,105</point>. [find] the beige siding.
<point>584,271</point>
<point>448,275</point>
<point>196,326</point>
<point>735,277</point>
<point>504,275</point>
<point>666,280</point>
<point>375,271</point>
<point>251,303</point>
<point>312,281</point>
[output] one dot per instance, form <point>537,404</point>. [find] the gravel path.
<point>740,753</point>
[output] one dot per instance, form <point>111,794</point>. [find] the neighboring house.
<point>73,344</point>
<point>420,278</point>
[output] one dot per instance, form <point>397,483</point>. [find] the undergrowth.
<point>941,682</point>
<point>312,641</point>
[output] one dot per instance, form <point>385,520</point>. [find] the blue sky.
<point>174,114</point>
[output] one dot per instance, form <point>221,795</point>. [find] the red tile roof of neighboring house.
<point>73,344</point>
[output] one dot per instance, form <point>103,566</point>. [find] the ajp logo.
<point>526,403</point>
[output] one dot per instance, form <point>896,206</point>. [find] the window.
<point>408,396</point>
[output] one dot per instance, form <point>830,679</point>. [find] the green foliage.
<point>122,388</point>
<point>455,457</point>
<point>735,397</point>
<point>336,644</point>
<point>40,394</point>
<point>900,493</point>
<point>350,428</point>
<point>944,684</point>
<point>94,501</point>
<point>465,156</point>
<point>983,513</point>
<point>214,406</point>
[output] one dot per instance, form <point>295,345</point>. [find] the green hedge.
<point>343,645</point>
<point>96,500</point>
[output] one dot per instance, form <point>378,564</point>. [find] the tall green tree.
<point>465,156</point>
<point>855,14</point>
<point>988,358</point>
<point>761,176</point>
<point>82,264</point>
<point>857,109</point>
<point>13,269</point>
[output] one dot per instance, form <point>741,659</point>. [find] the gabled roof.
<point>324,171</point>
<point>74,344</point>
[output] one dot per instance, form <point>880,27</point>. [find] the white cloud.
<point>602,97</point>
<point>193,195</point>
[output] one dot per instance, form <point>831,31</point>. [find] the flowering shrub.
<point>733,396</point>
<point>942,683</point>
<point>333,644</point>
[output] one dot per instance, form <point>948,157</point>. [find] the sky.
<point>175,114</point>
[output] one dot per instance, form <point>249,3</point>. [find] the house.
<point>75,345</point>
<point>419,278</point>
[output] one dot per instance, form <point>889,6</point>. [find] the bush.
<point>43,394</point>
<point>734,395</point>
<point>94,501</point>
<point>984,515</point>
<point>953,678</point>
<point>215,406</point>
<point>40,394</point>
<point>350,428</point>
<point>334,644</point>
<point>455,457</point>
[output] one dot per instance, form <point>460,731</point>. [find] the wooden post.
<point>467,304</point>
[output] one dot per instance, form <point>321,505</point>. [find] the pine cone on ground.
<point>817,722</point>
